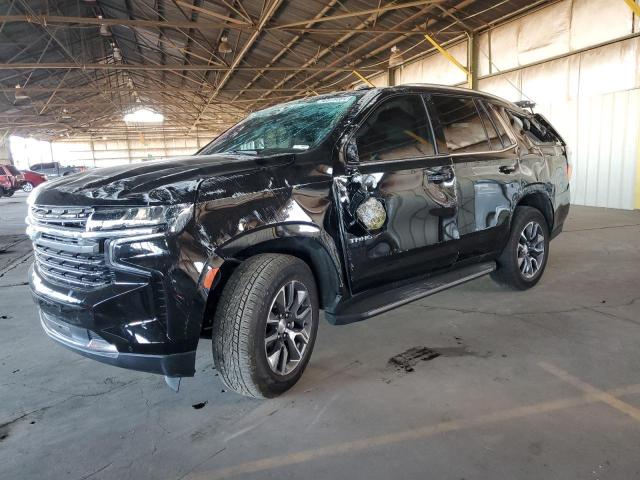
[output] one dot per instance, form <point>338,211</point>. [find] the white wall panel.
<point>535,43</point>
<point>380,80</point>
<point>484,65</point>
<point>549,81</point>
<point>596,21</point>
<point>504,46</point>
<point>435,68</point>
<point>609,69</point>
<point>606,150</point>
<point>506,86</point>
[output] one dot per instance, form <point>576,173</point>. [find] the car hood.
<point>165,182</point>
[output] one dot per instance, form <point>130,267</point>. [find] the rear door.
<point>398,200</point>
<point>485,161</point>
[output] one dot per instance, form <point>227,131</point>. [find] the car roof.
<point>435,88</point>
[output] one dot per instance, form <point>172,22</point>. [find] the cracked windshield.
<point>288,128</point>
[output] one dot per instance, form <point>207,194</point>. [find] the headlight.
<point>171,218</point>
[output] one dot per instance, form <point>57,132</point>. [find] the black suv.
<point>354,203</point>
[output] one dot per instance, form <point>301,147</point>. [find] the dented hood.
<point>165,182</point>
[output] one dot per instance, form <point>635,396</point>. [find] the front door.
<point>398,200</point>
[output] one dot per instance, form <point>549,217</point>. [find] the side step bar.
<point>381,300</point>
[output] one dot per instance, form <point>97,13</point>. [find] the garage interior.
<point>496,383</point>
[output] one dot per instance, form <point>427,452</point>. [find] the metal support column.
<point>472,61</point>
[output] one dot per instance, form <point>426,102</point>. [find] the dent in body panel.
<point>271,214</point>
<point>421,216</point>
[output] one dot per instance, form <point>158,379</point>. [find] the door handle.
<point>508,169</point>
<point>439,177</point>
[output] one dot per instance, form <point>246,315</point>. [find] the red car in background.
<point>32,179</point>
<point>10,180</point>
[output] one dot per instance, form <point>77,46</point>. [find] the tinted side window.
<point>36,167</point>
<point>397,129</point>
<point>461,124</point>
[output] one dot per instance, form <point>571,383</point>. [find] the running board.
<point>381,300</point>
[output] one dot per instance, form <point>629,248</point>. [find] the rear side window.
<point>35,167</point>
<point>461,124</point>
<point>398,129</point>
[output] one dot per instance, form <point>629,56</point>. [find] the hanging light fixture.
<point>104,30</point>
<point>117,54</point>
<point>395,59</point>
<point>224,46</point>
<point>20,95</point>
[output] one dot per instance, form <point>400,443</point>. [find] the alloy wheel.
<point>531,249</point>
<point>288,328</point>
<point>27,187</point>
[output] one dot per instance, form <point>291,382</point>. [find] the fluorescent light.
<point>144,115</point>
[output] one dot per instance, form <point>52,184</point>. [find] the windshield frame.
<point>290,151</point>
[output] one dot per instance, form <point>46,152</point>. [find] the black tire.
<point>27,187</point>
<point>509,272</point>
<point>9,193</point>
<point>240,324</point>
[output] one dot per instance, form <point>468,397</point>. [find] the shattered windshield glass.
<point>287,128</point>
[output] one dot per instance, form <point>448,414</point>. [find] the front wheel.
<point>524,258</point>
<point>265,325</point>
<point>27,187</point>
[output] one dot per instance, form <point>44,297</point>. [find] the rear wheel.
<point>27,187</point>
<point>265,325</point>
<point>9,193</point>
<point>524,258</point>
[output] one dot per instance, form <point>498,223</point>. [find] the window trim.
<point>505,126</point>
<point>492,121</point>
<point>351,136</point>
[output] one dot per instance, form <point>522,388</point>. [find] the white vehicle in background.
<point>55,169</point>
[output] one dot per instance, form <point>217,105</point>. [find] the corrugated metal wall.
<point>590,91</point>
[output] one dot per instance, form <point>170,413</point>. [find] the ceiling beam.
<point>62,20</point>
<point>193,67</point>
<point>268,13</point>
<point>360,13</point>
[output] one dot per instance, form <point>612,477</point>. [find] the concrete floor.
<point>542,384</point>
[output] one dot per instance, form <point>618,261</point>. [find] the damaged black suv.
<point>352,203</point>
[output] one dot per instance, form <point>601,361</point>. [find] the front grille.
<point>67,217</point>
<point>64,258</point>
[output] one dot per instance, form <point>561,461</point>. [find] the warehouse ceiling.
<point>82,65</point>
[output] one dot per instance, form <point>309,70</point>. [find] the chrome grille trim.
<point>63,254</point>
<point>68,217</point>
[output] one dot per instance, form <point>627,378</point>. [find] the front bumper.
<point>90,345</point>
<point>133,324</point>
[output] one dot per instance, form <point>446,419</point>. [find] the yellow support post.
<point>633,6</point>
<point>357,74</point>
<point>450,57</point>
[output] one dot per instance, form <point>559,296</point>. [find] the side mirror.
<point>351,151</point>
